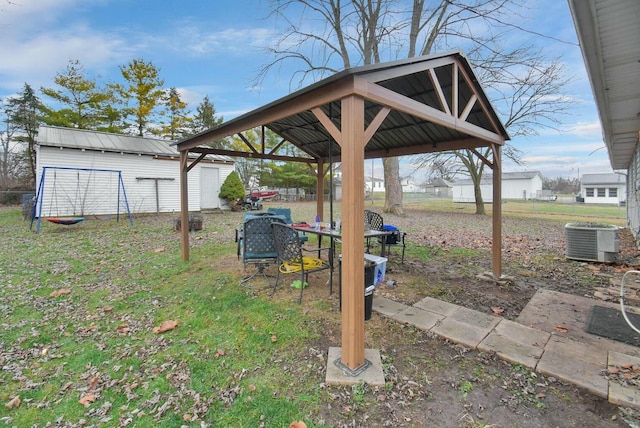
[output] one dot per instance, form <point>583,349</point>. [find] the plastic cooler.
<point>374,271</point>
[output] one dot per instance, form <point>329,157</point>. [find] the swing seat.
<point>65,221</point>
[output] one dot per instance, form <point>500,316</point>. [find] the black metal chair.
<point>257,244</point>
<point>394,240</point>
<point>290,259</point>
<point>372,221</point>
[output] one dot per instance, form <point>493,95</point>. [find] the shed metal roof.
<point>609,36</point>
<point>54,136</point>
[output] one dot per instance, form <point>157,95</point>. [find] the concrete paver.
<point>575,362</point>
<point>548,336</point>
<point>437,306</point>
<point>386,306</point>
<point>619,394</point>
<point>516,343</point>
<point>466,326</point>
<point>422,319</point>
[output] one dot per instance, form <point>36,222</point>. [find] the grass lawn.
<point>79,306</point>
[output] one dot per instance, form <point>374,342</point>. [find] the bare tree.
<point>360,32</point>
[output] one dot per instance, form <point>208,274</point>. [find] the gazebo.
<point>419,105</point>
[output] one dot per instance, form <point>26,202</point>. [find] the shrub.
<point>232,188</point>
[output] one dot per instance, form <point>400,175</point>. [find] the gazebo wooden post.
<point>352,148</point>
<point>497,210</point>
<point>184,204</point>
<point>320,189</point>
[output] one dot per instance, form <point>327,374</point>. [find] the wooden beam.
<point>438,87</point>
<point>497,211</point>
<point>467,109</point>
<point>396,101</point>
<point>328,124</point>
<point>455,91</point>
<point>352,148</point>
<point>375,124</point>
<point>196,162</point>
<point>231,153</point>
<point>184,204</point>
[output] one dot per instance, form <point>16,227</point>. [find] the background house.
<point>149,169</point>
<point>604,188</point>
<point>515,185</point>
<point>439,188</point>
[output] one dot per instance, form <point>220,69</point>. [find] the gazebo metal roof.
<point>436,104</point>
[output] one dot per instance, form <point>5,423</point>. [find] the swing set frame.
<point>40,196</point>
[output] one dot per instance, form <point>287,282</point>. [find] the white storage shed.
<point>515,185</point>
<point>83,169</point>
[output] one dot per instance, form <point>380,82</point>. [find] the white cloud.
<point>587,129</point>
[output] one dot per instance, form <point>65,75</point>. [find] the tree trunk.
<point>478,194</point>
<point>392,186</point>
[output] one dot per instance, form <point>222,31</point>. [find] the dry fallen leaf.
<point>186,417</point>
<point>219,353</point>
<point>612,370</point>
<point>274,338</point>
<point>94,382</point>
<point>123,329</point>
<point>87,399</point>
<point>297,424</point>
<point>252,387</point>
<point>13,403</point>
<point>107,309</point>
<point>89,329</point>
<point>60,292</point>
<point>560,328</point>
<point>165,326</point>
<point>159,250</point>
<point>497,310</point>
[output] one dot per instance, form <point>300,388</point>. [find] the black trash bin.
<point>369,278</point>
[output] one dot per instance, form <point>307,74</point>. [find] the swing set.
<point>83,191</point>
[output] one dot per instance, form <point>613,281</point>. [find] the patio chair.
<point>286,214</point>
<point>394,240</point>
<point>257,244</point>
<point>290,259</point>
<point>372,221</point>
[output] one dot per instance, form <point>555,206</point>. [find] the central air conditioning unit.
<point>593,242</point>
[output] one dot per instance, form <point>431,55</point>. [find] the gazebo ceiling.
<point>434,103</point>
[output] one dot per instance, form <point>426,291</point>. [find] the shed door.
<point>209,188</point>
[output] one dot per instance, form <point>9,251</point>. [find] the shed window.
<point>602,192</point>
<point>613,192</point>
<point>590,192</point>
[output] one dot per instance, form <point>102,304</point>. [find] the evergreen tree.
<point>141,94</point>
<point>178,121</point>
<point>22,113</point>
<point>205,117</point>
<point>84,101</point>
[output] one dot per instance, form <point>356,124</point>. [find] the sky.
<point>216,48</point>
